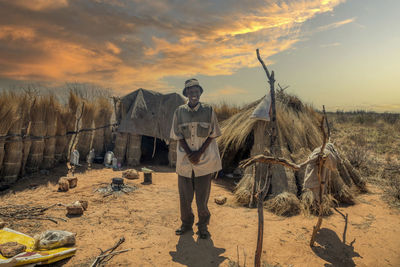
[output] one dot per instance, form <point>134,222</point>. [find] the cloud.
<point>335,24</point>
<point>330,45</point>
<point>227,91</point>
<point>130,44</point>
<point>38,5</point>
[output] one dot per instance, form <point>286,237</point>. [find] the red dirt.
<point>148,217</point>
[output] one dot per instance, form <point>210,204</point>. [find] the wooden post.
<point>262,193</point>
<point>326,122</point>
<point>320,163</point>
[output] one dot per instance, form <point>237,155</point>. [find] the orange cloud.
<point>111,45</point>
<point>38,5</point>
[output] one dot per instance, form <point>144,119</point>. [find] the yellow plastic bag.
<point>31,256</point>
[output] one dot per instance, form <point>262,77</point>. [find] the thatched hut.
<point>145,122</point>
<point>298,136</point>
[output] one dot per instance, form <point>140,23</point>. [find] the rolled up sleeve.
<point>175,133</point>
<point>215,130</point>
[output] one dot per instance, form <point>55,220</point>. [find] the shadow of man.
<point>200,253</point>
<point>333,250</point>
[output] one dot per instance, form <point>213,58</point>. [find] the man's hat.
<point>190,83</point>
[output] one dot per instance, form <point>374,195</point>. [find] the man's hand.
<point>194,157</point>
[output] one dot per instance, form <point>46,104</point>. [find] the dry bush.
<point>393,190</point>
<point>357,156</point>
<point>391,177</point>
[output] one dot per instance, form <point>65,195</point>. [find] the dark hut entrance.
<point>160,152</point>
<point>230,161</point>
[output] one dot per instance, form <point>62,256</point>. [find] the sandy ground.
<point>148,217</point>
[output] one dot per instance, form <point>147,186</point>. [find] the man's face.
<point>193,93</point>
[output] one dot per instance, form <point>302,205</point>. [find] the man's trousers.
<point>187,188</point>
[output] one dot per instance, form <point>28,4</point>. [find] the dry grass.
<point>224,110</point>
<point>284,204</point>
<point>370,141</point>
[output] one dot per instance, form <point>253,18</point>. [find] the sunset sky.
<point>343,54</point>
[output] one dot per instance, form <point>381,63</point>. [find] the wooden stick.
<point>269,160</point>
<point>76,131</point>
<point>113,253</point>
<point>326,122</point>
<point>320,163</point>
<point>104,254</point>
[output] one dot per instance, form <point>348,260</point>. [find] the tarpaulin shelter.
<point>145,114</point>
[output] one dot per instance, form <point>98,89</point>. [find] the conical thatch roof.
<point>297,128</point>
<point>298,136</point>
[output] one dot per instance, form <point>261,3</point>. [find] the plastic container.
<point>108,158</point>
<point>74,160</point>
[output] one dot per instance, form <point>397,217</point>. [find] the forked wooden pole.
<point>264,187</point>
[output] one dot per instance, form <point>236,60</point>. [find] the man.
<point>195,127</point>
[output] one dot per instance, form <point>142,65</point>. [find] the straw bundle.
<point>85,139</point>
<point>26,131</point>
<point>52,111</point>
<point>13,149</point>
<point>172,153</point>
<point>64,118</point>
<point>101,119</point>
<point>38,130</point>
<point>120,147</point>
<point>73,104</point>
<point>7,115</point>
<point>284,204</point>
<point>244,188</point>
<point>26,147</point>
<point>309,205</point>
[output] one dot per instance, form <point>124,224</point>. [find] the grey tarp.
<point>311,174</point>
<point>261,112</point>
<point>149,113</point>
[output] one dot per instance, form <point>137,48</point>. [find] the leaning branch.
<point>272,160</point>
